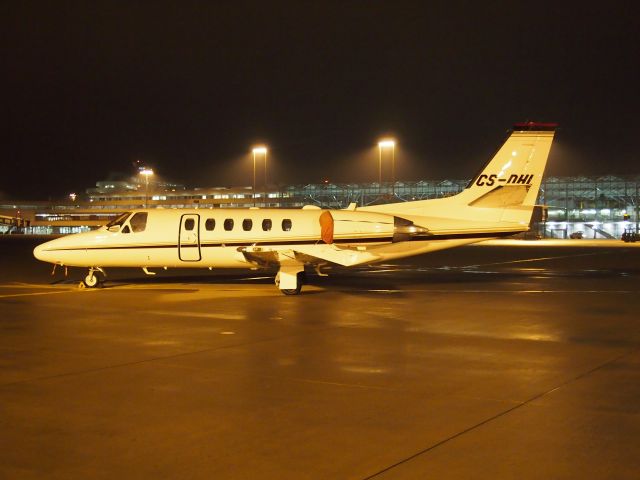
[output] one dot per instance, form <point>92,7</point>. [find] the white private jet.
<point>498,202</point>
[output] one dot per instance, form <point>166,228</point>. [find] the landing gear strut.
<point>92,280</point>
<point>290,279</point>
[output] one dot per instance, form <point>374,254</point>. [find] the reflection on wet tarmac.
<point>440,367</point>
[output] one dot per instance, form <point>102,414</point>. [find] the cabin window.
<point>266,224</point>
<point>247,224</point>
<point>228,224</point>
<point>126,229</point>
<point>210,224</point>
<point>189,223</point>
<point>286,225</point>
<point>138,222</point>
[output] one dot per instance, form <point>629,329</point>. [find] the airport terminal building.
<point>591,207</point>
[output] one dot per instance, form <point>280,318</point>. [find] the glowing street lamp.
<point>147,172</point>
<point>387,143</point>
<point>259,150</point>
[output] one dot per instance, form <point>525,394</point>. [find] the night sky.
<point>189,87</point>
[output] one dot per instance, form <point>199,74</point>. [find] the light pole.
<point>147,172</point>
<point>261,150</point>
<point>637,209</point>
<point>382,144</point>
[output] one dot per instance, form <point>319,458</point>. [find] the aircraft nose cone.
<point>37,252</point>
<point>40,253</point>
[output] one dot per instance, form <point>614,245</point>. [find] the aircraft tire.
<point>292,291</point>
<point>91,281</point>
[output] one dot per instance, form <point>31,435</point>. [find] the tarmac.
<point>517,359</point>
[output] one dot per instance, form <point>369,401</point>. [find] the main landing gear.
<point>93,280</point>
<point>290,279</point>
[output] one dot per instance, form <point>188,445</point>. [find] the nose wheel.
<point>93,280</point>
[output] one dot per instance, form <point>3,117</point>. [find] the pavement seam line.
<point>39,293</point>
<point>503,413</point>
<point>138,362</point>
<point>527,260</point>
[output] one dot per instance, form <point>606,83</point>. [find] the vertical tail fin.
<point>518,165</point>
<point>504,191</point>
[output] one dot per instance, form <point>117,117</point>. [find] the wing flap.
<point>346,257</point>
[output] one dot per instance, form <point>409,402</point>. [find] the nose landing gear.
<point>92,280</point>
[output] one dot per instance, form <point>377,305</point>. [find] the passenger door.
<point>189,238</point>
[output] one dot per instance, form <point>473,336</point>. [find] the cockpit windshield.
<point>117,222</point>
<point>138,222</point>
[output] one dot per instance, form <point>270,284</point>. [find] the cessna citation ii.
<point>498,202</point>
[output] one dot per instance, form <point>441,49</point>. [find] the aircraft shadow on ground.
<point>359,281</point>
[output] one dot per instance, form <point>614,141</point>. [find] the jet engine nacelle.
<point>343,224</point>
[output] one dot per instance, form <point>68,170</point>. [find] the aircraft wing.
<point>309,254</point>
<point>346,257</point>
